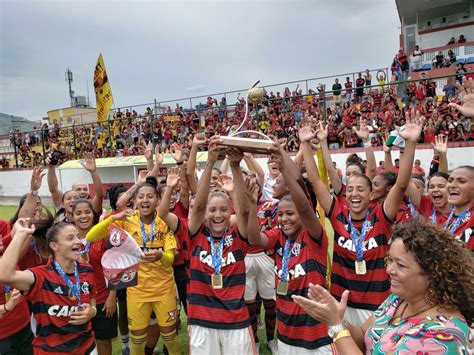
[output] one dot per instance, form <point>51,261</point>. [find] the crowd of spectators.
<point>277,115</point>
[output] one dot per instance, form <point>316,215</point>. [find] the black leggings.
<point>181,279</point>
<point>19,343</point>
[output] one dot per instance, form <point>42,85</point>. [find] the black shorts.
<point>19,343</point>
<point>122,295</point>
<point>104,328</point>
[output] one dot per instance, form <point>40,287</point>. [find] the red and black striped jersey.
<point>464,231</point>
<point>217,308</point>
<point>267,218</point>
<point>30,259</point>
<point>14,320</point>
<point>307,264</point>
<point>426,210</point>
<point>370,290</point>
<point>181,234</point>
<point>52,307</point>
<point>96,251</point>
<point>404,213</point>
<point>181,212</point>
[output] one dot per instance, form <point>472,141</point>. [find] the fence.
<point>109,135</point>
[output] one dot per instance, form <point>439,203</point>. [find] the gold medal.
<point>360,267</point>
<point>71,295</point>
<point>282,288</point>
<point>216,281</point>
<point>7,296</point>
<point>85,257</point>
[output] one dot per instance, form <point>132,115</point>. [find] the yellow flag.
<point>103,93</point>
<point>322,218</point>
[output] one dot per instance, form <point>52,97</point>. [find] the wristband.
<point>342,334</point>
<point>179,163</point>
<point>5,308</point>
<point>367,144</point>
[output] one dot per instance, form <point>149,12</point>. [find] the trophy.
<point>252,145</point>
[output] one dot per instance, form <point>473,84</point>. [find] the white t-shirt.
<point>267,191</point>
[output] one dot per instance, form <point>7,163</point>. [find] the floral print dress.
<point>417,335</point>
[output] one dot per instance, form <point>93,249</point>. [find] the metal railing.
<point>72,137</point>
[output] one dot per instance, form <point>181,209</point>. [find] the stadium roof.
<point>409,9</point>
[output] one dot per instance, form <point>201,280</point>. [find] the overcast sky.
<point>167,50</point>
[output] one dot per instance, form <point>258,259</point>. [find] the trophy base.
<point>250,145</point>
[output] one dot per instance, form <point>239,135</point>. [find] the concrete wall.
<point>441,38</point>
<point>16,183</point>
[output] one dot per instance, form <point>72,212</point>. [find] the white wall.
<point>16,183</point>
<point>441,38</point>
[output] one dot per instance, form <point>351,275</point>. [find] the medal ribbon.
<point>144,235</point>
<point>433,216</point>
<point>75,289</point>
<point>458,221</point>
<point>87,246</point>
<point>413,212</point>
<point>359,238</point>
<point>285,261</point>
<point>34,246</point>
<point>6,288</point>
<point>216,253</point>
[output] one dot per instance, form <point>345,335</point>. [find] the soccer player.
<point>104,323</point>
<point>62,293</point>
<point>362,231</point>
<point>155,291</point>
<point>300,247</point>
<point>218,320</point>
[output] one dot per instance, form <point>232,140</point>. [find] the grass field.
<point>6,212</point>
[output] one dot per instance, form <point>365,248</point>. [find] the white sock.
<point>125,339</point>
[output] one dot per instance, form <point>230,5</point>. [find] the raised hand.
<point>226,183</point>
<point>176,152</point>
<point>89,163</point>
<point>214,148</point>
<point>199,139</point>
<point>235,155</point>
<point>362,132</point>
<point>22,228</point>
<point>142,176</point>
<point>123,215</point>
<point>158,155</point>
<point>36,178</point>
<point>321,131</point>
<point>306,133</point>
<point>173,177</point>
<point>385,147</point>
<point>440,146</point>
<point>148,151</point>
<point>413,127</point>
<point>467,109</point>
<point>251,189</point>
<point>322,306</point>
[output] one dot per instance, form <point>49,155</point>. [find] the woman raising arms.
<point>155,290</point>
<point>300,247</point>
<point>217,314</point>
<point>460,221</point>
<point>62,293</point>
<point>362,232</point>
